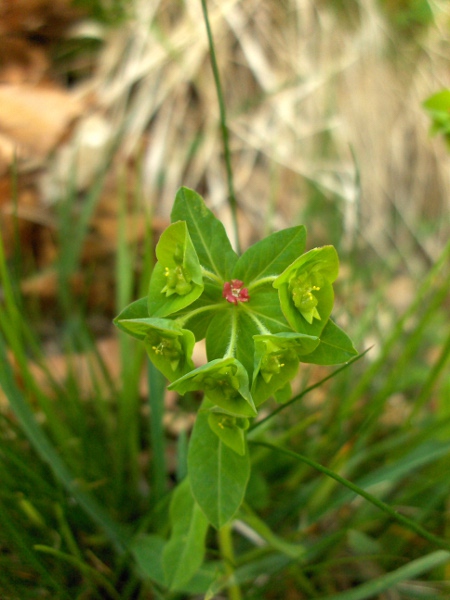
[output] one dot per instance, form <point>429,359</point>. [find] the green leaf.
<point>207,233</point>
<point>168,346</point>
<point>438,107</point>
<point>184,552</point>
<point>147,551</point>
<point>218,475</point>
<point>225,381</point>
<point>264,305</point>
<point>198,315</point>
<point>284,394</point>
<point>232,327</point>
<point>176,280</point>
<point>335,347</point>
<point>439,102</point>
<point>236,325</point>
<point>270,256</point>
<point>231,430</point>
<point>135,310</point>
<point>305,290</point>
<point>277,361</point>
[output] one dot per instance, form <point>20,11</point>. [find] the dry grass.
<point>311,99</point>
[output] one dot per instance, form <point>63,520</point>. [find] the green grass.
<point>349,505</point>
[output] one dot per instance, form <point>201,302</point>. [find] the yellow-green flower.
<point>305,289</point>
<point>225,383</point>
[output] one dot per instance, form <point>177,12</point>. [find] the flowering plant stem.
<point>227,552</point>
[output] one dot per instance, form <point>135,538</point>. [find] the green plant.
<point>261,314</point>
<point>339,504</point>
<point>438,108</point>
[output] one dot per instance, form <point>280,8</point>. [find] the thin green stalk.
<point>15,535</point>
<point>306,391</point>
<point>227,553</point>
<point>408,523</point>
<point>396,334</point>
<point>92,574</point>
<point>127,442</point>
<point>425,392</point>
<point>378,400</point>
<point>223,125</point>
<point>41,443</point>
<point>157,385</point>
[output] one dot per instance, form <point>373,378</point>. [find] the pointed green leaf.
<point>264,305</point>
<point>168,346</point>
<point>135,310</point>
<point>335,347</point>
<point>270,256</point>
<point>147,551</point>
<point>218,475</point>
<point>207,233</point>
<point>232,327</point>
<point>306,292</point>
<point>277,361</point>
<point>185,550</point>
<point>225,381</point>
<point>176,280</point>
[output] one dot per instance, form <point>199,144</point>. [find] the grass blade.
<point>360,492</point>
<point>386,582</point>
<point>47,452</point>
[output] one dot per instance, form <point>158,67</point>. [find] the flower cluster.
<point>261,314</point>
<point>234,291</point>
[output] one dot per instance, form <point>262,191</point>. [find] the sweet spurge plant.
<point>261,315</point>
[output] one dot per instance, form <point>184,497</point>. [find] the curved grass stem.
<point>393,514</point>
<point>224,127</point>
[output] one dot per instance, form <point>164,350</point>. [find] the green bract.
<point>225,382</point>
<point>277,360</point>
<point>306,292</point>
<point>231,430</point>
<point>177,278</point>
<point>261,314</point>
<point>168,346</point>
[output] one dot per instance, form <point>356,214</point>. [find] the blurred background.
<point>324,103</point>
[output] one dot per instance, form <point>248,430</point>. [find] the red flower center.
<point>234,292</point>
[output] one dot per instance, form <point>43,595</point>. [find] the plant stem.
<point>408,523</point>
<point>306,391</point>
<point>223,125</point>
<point>227,553</point>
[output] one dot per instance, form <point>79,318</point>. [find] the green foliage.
<point>79,519</point>
<point>184,552</point>
<point>217,473</point>
<point>264,313</point>
<point>438,107</point>
<point>408,15</point>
